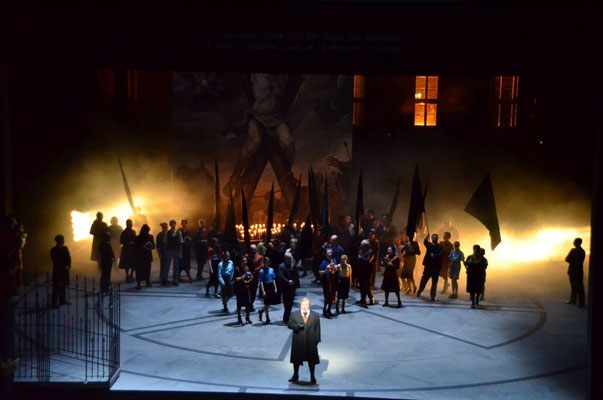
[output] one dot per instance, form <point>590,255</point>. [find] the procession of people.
<point>271,267</point>
<point>348,259</point>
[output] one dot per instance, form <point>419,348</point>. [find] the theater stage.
<point>524,343</point>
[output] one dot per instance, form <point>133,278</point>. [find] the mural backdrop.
<point>263,129</point>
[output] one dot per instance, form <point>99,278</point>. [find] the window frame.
<point>426,102</point>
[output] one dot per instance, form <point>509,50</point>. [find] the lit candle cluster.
<point>257,230</point>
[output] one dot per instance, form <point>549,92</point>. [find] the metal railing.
<point>78,342</point>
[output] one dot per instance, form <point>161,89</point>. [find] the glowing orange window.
<point>507,92</point>
<point>358,109</point>
<point>426,100</point>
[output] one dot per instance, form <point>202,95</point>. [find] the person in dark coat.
<point>293,251</point>
<point>375,246</point>
<point>174,248</point>
<point>475,267</point>
<point>144,245</point>
<point>268,289</point>
<point>345,233</point>
<point>367,222</point>
<point>213,253</point>
<point>185,258</point>
<point>61,264</point>
<point>575,259</point>
<point>432,262</point>
<point>306,336</point>
<point>483,251</point>
<point>286,276</point>
<point>106,261</point>
<point>200,242</point>
<point>97,230</point>
<point>328,274</point>
<point>276,252</point>
<point>127,259</point>
<point>115,230</point>
<point>365,269</point>
<point>391,283</point>
<point>447,248</point>
<point>161,246</point>
<point>241,283</point>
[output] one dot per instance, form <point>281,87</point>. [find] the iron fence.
<point>78,342</point>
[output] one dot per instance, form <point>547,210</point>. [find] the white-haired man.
<point>306,336</point>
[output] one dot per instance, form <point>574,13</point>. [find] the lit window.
<point>507,90</point>
<point>358,110</point>
<point>426,100</point>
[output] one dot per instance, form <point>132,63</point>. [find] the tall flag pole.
<point>230,228</point>
<point>217,201</point>
<point>295,205</point>
<point>424,202</point>
<point>314,205</point>
<point>305,249</point>
<point>394,205</point>
<point>245,218</point>
<point>483,207</point>
<point>417,205</point>
<point>270,215</point>
<point>127,187</point>
<point>325,210</point>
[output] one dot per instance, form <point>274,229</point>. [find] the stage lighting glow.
<point>545,244</point>
<point>81,221</point>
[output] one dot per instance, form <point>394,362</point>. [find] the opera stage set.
<point>270,121</point>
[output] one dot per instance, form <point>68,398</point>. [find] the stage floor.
<point>524,343</point>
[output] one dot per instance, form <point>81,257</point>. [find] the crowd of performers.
<point>272,267</point>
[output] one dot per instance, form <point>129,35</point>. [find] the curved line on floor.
<point>347,390</point>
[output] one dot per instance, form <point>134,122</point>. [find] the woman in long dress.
<point>390,283</point>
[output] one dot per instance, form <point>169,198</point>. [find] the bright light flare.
<point>546,244</point>
<point>81,221</point>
